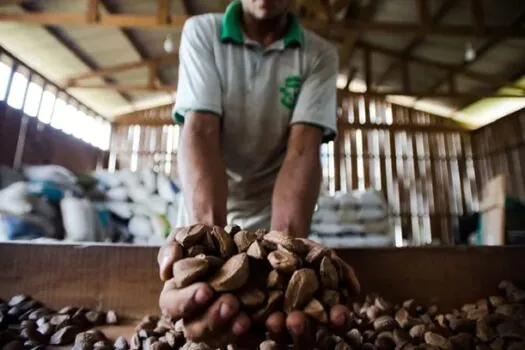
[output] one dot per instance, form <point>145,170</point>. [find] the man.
<point>257,97</point>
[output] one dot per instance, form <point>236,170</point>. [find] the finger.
<point>240,324</point>
<point>168,254</point>
<point>349,275</point>
<point>276,326</point>
<point>185,302</point>
<point>339,318</point>
<point>299,327</point>
<point>216,317</point>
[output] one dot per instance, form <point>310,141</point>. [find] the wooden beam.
<point>350,77</point>
<point>367,63</point>
<point>482,51</point>
<point>351,40</point>
<point>438,94</point>
<point>340,29</point>
<point>418,40</point>
<point>168,58</point>
<point>478,15</point>
<point>405,73</point>
<point>402,127</point>
<point>92,11</point>
<point>452,84</point>
<point>163,11</point>
<point>125,87</point>
<point>424,14</point>
<point>491,79</point>
<point>152,74</point>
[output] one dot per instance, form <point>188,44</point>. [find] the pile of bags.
<point>50,202</point>
<point>357,218</point>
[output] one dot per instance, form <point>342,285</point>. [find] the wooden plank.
<point>337,162</point>
<point>367,156</point>
<point>107,275</point>
<point>401,126</point>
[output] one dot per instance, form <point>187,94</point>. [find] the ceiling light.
<point>470,53</point>
<point>168,44</point>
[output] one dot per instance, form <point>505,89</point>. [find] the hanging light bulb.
<point>470,53</point>
<point>168,44</point>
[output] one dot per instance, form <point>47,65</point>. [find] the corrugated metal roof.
<point>108,46</point>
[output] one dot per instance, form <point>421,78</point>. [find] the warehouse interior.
<point>428,155</point>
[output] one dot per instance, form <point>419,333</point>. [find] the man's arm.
<point>202,170</point>
<point>298,182</point>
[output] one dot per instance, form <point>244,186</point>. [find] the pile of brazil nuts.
<point>267,271</point>
<point>493,323</point>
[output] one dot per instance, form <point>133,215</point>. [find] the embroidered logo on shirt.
<point>290,91</point>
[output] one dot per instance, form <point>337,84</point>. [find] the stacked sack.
<point>50,202</point>
<point>145,203</point>
<point>358,218</point>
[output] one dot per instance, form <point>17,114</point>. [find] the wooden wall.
<point>499,148</point>
<point>423,164</point>
<point>43,144</point>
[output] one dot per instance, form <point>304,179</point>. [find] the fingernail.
<point>226,310</point>
<point>239,327</point>
<point>202,295</point>
<point>297,329</point>
<point>165,261</point>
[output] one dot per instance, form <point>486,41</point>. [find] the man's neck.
<point>265,32</point>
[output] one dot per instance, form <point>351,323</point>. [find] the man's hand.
<point>205,319</point>
<point>220,321</point>
<point>299,325</point>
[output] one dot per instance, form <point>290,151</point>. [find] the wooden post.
<point>478,15</point>
<point>367,58</point>
<point>424,14</point>
<point>92,11</point>
<point>163,11</point>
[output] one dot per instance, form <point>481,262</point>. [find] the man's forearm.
<point>295,193</point>
<point>203,174</point>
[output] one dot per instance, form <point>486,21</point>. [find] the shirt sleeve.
<point>317,101</point>
<point>199,87</point>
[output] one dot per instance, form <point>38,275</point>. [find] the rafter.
<point>74,48</point>
<point>337,28</point>
<point>482,51</point>
<point>351,40</point>
<point>418,40</point>
<point>125,87</point>
<point>151,63</point>
<point>478,15</point>
<point>424,14</point>
<point>491,79</point>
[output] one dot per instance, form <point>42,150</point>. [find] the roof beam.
<point>163,11</point>
<point>133,40</point>
<point>491,79</point>
<point>351,39</point>
<point>478,15</point>
<point>424,14</point>
<point>125,87</point>
<point>76,50</point>
<point>446,94</point>
<point>336,28</point>
<point>164,59</point>
<point>418,40</point>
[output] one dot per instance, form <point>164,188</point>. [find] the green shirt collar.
<point>231,29</point>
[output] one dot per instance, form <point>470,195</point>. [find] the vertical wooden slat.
<point>366,150</point>
<point>337,162</point>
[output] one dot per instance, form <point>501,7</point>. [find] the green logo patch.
<point>290,91</point>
